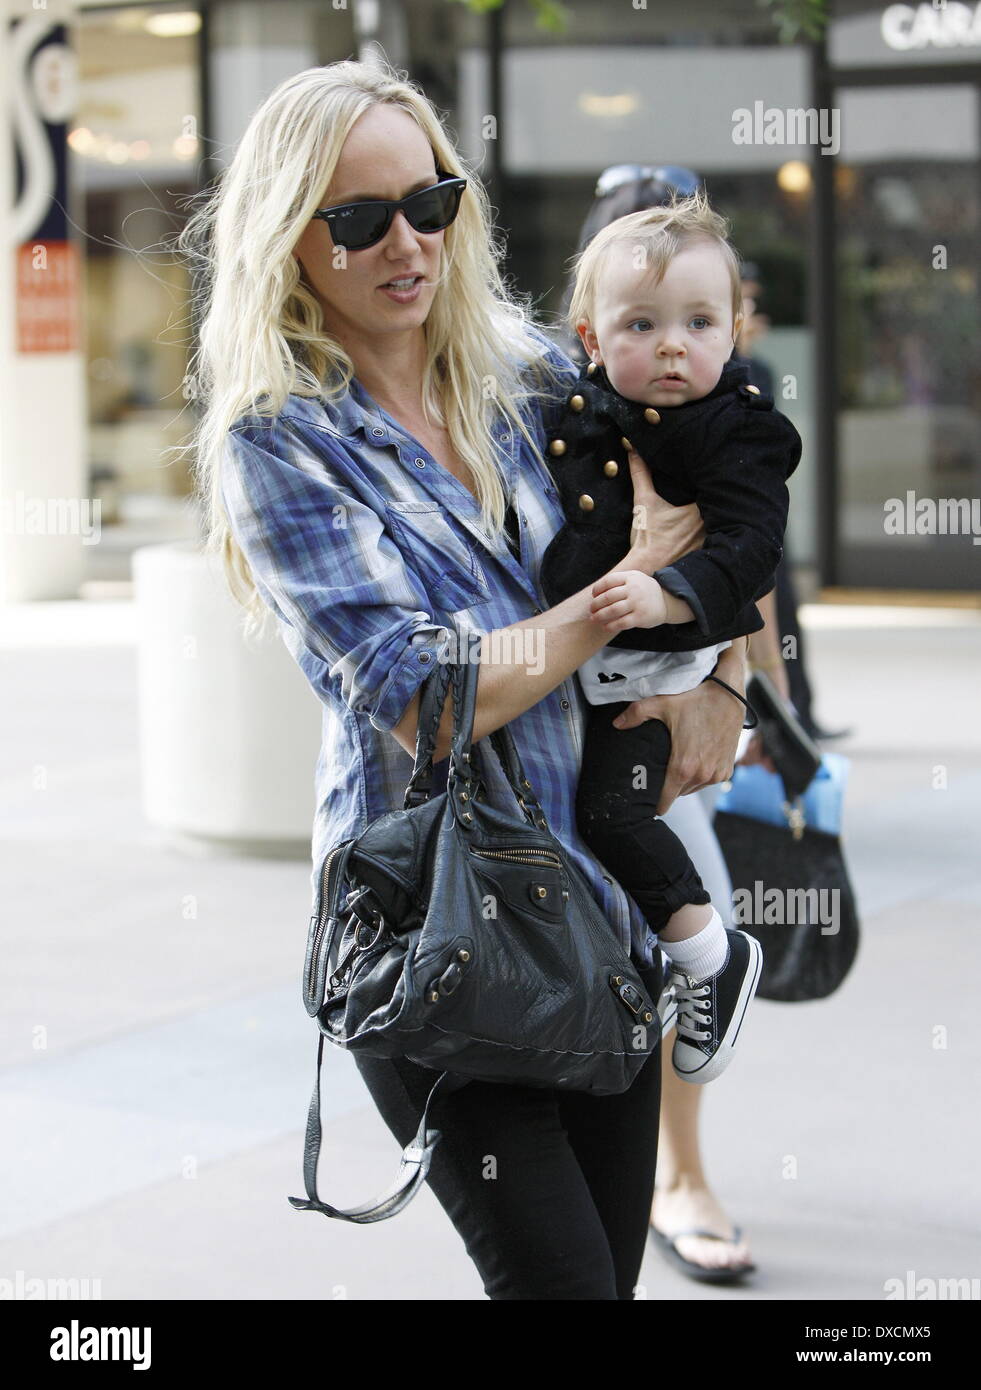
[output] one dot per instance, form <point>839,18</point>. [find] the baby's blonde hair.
<point>661,233</point>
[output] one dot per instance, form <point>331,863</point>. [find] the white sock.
<point>701,955</point>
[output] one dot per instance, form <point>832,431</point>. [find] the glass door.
<point>909,361</point>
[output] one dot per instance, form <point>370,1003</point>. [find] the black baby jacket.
<point>730,453</point>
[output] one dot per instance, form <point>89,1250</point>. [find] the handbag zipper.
<point>322,920</point>
<point>521,856</point>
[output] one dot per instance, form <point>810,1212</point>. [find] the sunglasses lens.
<point>433,208</point>
<point>359,225</point>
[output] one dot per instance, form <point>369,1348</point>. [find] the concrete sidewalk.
<point>156,1062</point>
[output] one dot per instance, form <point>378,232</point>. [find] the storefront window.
<point>909,424</point>
<point>135,150</point>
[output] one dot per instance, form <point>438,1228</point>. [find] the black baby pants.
<point>616,810</point>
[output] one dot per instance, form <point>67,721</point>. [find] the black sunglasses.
<point>359,225</point>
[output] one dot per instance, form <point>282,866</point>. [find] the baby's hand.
<point>628,598</point>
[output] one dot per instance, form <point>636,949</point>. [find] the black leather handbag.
<point>462,936</point>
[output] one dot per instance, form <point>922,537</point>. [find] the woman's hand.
<point>661,533</point>
<point>704,724</point>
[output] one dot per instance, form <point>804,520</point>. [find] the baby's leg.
<point>715,971</point>
<point>620,784</point>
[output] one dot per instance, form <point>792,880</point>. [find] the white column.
<point>46,514</point>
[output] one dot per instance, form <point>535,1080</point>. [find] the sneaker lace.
<point>693,1007</point>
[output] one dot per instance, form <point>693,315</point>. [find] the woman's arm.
<point>558,641</point>
<point>523,667</point>
<point>764,646</point>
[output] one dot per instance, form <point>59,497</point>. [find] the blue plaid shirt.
<point>372,557</point>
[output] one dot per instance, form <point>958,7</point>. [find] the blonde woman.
<point>374,408</point>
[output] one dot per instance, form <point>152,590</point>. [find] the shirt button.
<point>564,704</point>
<point>377,430</point>
<point>607,879</point>
<point>423,656</point>
<point>419,463</point>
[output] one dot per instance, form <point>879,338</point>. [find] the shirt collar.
<point>353,410</point>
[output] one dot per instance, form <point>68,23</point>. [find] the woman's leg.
<point>615,1140</point>
<point>683,1198</point>
<point>512,1182</point>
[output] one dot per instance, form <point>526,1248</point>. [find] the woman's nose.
<point>401,235</point>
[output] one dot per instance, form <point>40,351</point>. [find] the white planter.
<point>229,732</point>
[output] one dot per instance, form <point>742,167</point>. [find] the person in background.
<point>779,608</point>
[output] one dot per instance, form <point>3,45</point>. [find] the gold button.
<point>557,448</point>
<point>651,416</point>
<point>755,389</point>
<point>577,402</point>
<point>611,469</point>
<point>591,369</point>
<point>586,502</point>
<point>626,443</point>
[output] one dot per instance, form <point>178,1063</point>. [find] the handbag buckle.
<point>627,993</point>
<point>795,818</point>
<point>375,923</point>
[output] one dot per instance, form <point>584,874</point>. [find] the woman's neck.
<point>391,371</point>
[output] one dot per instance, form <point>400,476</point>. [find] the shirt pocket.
<point>447,562</point>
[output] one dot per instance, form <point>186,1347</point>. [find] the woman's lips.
<point>404,295</point>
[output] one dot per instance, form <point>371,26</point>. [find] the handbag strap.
<point>463,749</point>
<point>413,1168</point>
<point>419,786</point>
<point>464,676</point>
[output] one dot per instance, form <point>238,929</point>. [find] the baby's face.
<point>666,345</point>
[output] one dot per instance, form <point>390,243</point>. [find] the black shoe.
<point>711,1012</point>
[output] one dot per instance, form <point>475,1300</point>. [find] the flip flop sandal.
<point>669,1249</point>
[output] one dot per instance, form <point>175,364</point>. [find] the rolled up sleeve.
<point>321,558</point>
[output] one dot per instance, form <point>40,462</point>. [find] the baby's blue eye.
<point>643,324</point>
<point>699,318</point>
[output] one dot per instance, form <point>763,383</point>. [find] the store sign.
<point>951,25</point>
<point>44,95</point>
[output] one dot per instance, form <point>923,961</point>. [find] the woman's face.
<point>386,155</point>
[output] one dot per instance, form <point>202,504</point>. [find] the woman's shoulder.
<point>553,355</point>
<point>323,423</point>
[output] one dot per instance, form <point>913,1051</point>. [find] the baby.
<point>658,306</point>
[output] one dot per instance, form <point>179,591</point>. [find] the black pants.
<point>551,1191</point>
<point>616,811</point>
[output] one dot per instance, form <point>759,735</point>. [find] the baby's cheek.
<point>627,375</point>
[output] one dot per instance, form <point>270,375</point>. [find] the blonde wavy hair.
<point>661,232</point>
<point>262,334</point>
